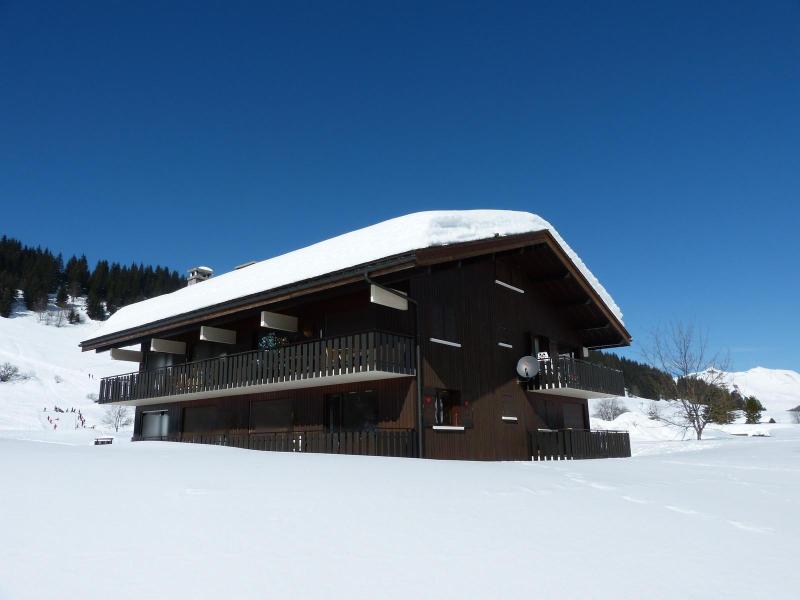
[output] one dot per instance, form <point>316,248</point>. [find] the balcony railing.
<point>379,442</point>
<point>315,360</point>
<point>575,444</point>
<point>567,374</point>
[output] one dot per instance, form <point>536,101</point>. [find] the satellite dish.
<point>527,367</point>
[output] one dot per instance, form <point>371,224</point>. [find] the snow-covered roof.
<point>411,232</point>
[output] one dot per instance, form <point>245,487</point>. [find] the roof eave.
<point>308,286</point>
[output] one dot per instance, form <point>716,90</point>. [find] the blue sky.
<point>663,141</point>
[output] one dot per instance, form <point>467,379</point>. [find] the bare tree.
<point>8,372</point>
<point>698,374</point>
<point>117,417</point>
<point>609,409</point>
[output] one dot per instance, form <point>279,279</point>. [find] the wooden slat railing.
<point>327,357</point>
<point>576,444</point>
<point>381,442</point>
<point>565,372</point>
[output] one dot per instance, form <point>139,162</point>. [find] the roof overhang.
<point>418,258</point>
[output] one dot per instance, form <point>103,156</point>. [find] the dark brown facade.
<point>351,365</point>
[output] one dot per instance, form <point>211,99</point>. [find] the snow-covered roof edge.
<point>411,232</point>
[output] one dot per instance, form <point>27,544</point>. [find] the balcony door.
<point>574,416</point>
<point>351,411</point>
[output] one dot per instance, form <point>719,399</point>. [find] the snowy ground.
<point>152,519</point>
<point>687,519</point>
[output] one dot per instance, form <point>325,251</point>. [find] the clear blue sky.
<point>663,141</point>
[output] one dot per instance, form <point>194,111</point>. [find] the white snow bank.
<point>395,236</point>
<point>161,520</point>
<point>644,430</point>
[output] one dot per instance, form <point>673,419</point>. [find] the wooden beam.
<point>595,327</point>
<point>214,334</point>
<point>130,355</point>
<point>167,346</point>
<point>278,321</point>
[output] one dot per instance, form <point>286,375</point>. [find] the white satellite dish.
<point>527,367</point>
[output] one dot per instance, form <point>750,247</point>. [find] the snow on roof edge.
<point>411,232</point>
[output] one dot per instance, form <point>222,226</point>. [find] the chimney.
<point>198,274</point>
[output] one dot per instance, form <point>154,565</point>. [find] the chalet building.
<point>452,334</point>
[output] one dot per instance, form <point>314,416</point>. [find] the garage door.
<point>155,425</point>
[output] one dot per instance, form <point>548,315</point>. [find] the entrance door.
<point>155,425</point>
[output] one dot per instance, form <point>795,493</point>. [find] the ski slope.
<point>58,373</point>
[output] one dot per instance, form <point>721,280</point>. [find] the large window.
<point>447,408</point>
<point>353,411</point>
<point>271,415</point>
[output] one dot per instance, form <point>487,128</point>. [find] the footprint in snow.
<point>751,528</point>
<point>683,511</point>
<point>634,500</point>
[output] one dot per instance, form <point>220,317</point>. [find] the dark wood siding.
<point>486,314</point>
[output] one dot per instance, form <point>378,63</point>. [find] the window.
<point>206,350</point>
<point>271,415</point>
<point>447,408</point>
<point>199,418</point>
<point>443,323</point>
<point>507,408</point>
<point>354,411</point>
<point>159,360</point>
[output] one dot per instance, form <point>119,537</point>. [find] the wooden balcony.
<point>577,379</point>
<point>368,356</point>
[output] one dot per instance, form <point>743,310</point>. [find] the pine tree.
<point>7,292</point>
<point>61,296</point>
<point>94,307</point>
<point>752,410</point>
<point>722,409</point>
<point>38,273</point>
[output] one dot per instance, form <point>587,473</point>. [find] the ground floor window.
<point>199,418</point>
<point>155,424</point>
<point>351,411</point>
<point>447,408</point>
<point>271,415</point>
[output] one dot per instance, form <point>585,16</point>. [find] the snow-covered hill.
<point>55,371</point>
<point>777,389</point>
